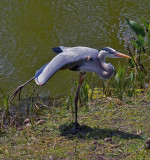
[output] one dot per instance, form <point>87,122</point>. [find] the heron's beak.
<point>120,55</point>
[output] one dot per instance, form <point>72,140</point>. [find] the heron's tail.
<point>57,50</point>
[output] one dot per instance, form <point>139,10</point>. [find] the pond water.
<point>29,29</point>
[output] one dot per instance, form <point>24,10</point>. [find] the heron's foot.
<point>17,91</point>
<point>75,128</point>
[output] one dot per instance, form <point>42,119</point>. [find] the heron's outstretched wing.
<point>69,59</point>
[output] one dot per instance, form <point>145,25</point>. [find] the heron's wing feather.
<point>47,71</point>
<point>65,60</point>
<point>60,49</point>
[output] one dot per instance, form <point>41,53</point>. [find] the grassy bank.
<point>109,129</point>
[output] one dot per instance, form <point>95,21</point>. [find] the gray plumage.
<point>82,59</point>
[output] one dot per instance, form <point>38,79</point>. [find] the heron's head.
<point>111,53</point>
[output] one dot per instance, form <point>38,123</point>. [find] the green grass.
<point>110,129</point>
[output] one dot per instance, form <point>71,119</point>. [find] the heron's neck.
<point>108,69</point>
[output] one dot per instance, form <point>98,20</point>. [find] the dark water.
<point>29,29</point>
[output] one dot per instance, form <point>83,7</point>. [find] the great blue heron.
<point>81,59</point>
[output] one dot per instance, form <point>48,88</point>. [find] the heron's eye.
<point>109,51</point>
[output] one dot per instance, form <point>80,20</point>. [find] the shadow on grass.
<point>86,132</point>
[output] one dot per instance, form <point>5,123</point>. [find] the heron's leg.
<point>81,79</point>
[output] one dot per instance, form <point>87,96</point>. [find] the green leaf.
<point>149,27</point>
<point>117,78</point>
<point>135,44</point>
<point>120,72</point>
<point>6,102</point>
<point>127,20</point>
<point>123,71</point>
<point>136,27</point>
<point>131,62</point>
<point>140,41</point>
<point>148,39</point>
<point>146,24</point>
<point>132,76</point>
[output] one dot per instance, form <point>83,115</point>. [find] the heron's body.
<point>82,59</point>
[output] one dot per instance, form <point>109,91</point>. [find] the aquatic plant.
<point>5,113</point>
<point>140,41</point>
<point>119,83</point>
